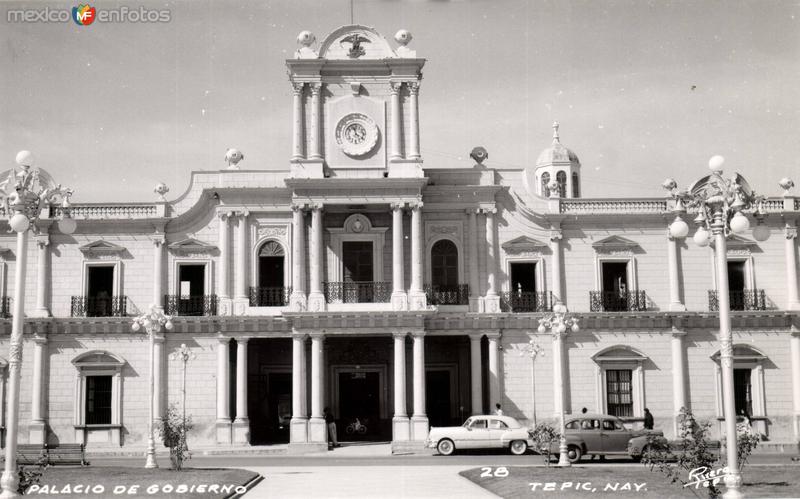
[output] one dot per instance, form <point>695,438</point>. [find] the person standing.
<point>498,411</point>
<point>648,419</point>
<point>331,423</point>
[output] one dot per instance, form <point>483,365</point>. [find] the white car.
<point>481,432</point>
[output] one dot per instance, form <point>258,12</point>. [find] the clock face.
<point>356,134</point>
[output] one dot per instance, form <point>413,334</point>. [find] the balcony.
<point>269,297</point>
<point>447,295</point>
<point>93,306</point>
<point>190,305</point>
<point>357,292</point>
<point>526,301</point>
<point>746,299</point>
<point>5,307</point>
<point>617,301</point>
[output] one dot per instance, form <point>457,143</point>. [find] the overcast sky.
<point>642,90</point>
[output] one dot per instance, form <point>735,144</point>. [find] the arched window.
<point>444,275</point>
<point>576,185</point>
<point>545,181</point>
<point>98,396</point>
<point>270,291</point>
<point>561,178</point>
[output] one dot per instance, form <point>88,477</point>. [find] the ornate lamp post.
<point>33,190</point>
<point>720,204</point>
<point>184,355</point>
<point>152,322</point>
<point>558,323</point>
<point>533,350</point>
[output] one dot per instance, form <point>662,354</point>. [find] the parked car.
<point>481,432</point>
<point>603,435</point>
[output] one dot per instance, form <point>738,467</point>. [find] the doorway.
<point>191,288</point>
<point>357,272</point>
<point>359,405</point>
<point>736,285</point>
<point>271,276</point>
<point>437,395</point>
<point>615,286</point>
<point>99,291</point>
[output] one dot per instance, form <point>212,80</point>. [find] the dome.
<point>556,153</point>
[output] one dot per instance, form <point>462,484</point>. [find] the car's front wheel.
<point>445,447</point>
<point>574,453</point>
<point>518,447</point>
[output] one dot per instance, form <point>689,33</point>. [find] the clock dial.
<point>356,134</point>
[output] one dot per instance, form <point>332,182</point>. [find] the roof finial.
<point>556,139</point>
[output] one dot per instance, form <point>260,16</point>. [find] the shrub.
<point>173,429</point>
<point>30,475</point>
<point>544,436</point>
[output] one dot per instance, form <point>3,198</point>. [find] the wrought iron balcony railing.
<point>617,301</point>
<point>197,305</point>
<point>5,307</point>
<point>526,301</point>
<point>447,295</point>
<point>747,299</point>
<point>94,306</point>
<point>357,292</point>
<point>269,296</point>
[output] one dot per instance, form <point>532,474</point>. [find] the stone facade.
<point>395,293</point>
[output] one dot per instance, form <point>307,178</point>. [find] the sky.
<point>642,90</point>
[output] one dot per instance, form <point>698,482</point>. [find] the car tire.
<point>445,447</point>
<point>518,447</point>
<point>638,458</point>
<point>574,453</point>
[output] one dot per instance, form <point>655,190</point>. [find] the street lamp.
<point>533,350</point>
<point>558,323</point>
<point>720,204</point>
<point>152,322</point>
<point>33,190</point>
<point>184,355</point>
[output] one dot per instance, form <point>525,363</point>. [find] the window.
<point>576,185</point>
<point>191,289</point>
<point>608,424</point>
<point>496,424</point>
<point>743,392</point>
<point>444,264</point>
<point>590,424</point>
<point>619,392</point>
<point>561,179</point>
<point>572,425</point>
<point>98,400</point>
<point>736,284</point>
<point>271,277</point>
<point>545,182</point>
<point>748,385</point>
<point>479,424</point>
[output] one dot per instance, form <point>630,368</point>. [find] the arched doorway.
<point>445,288</point>
<point>271,291</point>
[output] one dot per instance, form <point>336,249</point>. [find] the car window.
<point>590,424</point>
<point>572,425</point>
<point>479,423</point>
<point>608,424</point>
<point>618,425</point>
<point>467,423</point>
<point>496,424</point>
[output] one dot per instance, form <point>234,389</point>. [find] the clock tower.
<point>355,105</point>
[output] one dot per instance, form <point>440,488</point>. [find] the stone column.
<point>492,299</point>
<point>399,297</point>
<point>794,352</point>
<point>317,431</point>
<point>397,147</point>
<point>476,372</point>
<point>241,297</point>
<point>37,429</point>
<point>159,245</point>
<point>419,420</point>
<point>223,396</point>
<point>556,268</point>
<point>675,303</point>
<point>678,376</point>
<point>224,263</point>
<point>297,123</point>
<point>793,301</point>
<point>474,273</point>
<point>298,298</point>
<point>316,299</point>
<point>241,425</point>
<point>495,395</point>
<point>316,121</point>
<point>42,275</point>
<point>298,427</point>
<point>413,146</point>
<point>401,431</point>
<point>416,294</point>
<point>159,390</point>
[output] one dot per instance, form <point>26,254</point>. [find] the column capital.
<point>297,88</point>
<point>242,339</point>
<point>298,335</point>
<point>223,340</point>
<point>493,335</point>
<point>413,87</point>
<point>790,232</point>
<point>299,206</point>
<point>556,235</point>
<point>488,210</point>
<point>40,339</point>
<point>397,206</point>
<point>475,336</point>
<point>159,239</point>
<point>395,86</point>
<point>225,215</point>
<point>472,211</point>
<point>678,333</point>
<point>399,334</point>
<point>159,338</point>
<point>317,336</point>
<point>316,87</point>
<point>316,206</point>
<point>415,205</point>
<point>43,240</point>
<point>418,334</point>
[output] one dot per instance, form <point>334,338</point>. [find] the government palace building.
<point>360,278</point>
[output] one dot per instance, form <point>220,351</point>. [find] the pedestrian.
<point>498,411</point>
<point>329,421</point>
<point>648,419</point>
<point>584,410</point>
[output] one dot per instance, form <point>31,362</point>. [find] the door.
<point>437,397</point>
<point>615,286</point>
<point>357,272</point>
<point>614,437</point>
<point>477,436</point>
<point>270,276</point>
<point>99,291</point>
<point>591,436</point>
<point>191,288</point>
<point>359,405</point>
<point>736,285</point>
<point>523,287</point>
<point>742,392</point>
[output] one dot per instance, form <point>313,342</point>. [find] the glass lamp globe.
<point>761,233</point>
<point>541,329</point>
<point>19,223</point>
<point>169,326</point>
<point>575,328</point>
<point>701,237</point>
<point>136,326</point>
<point>67,225</point>
<point>562,328</point>
<point>25,158</point>
<point>679,229</point>
<point>715,163</point>
<point>739,223</point>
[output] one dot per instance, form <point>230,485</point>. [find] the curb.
<point>248,487</point>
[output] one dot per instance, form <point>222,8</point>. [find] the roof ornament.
<point>403,37</point>
<point>479,154</point>
<point>161,189</point>
<point>233,157</point>
<point>356,50</point>
<point>306,39</point>
<point>556,138</point>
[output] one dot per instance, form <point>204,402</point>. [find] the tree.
<point>173,429</point>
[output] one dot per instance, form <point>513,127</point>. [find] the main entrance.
<point>359,404</point>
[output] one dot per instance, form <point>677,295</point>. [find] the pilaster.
<point>241,425</point>
<point>416,295</point>
<point>419,420</point>
<point>399,296</point>
<point>316,299</point>
<point>223,424</point>
<point>492,299</point>
<point>474,273</point>
<point>224,263</point>
<point>241,298</point>
<point>298,299</point>
<point>37,429</point>
<point>43,277</point>
<point>401,429</point>
<point>792,284</point>
<point>317,429</point>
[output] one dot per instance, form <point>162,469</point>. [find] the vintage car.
<point>481,432</point>
<point>603,435</point>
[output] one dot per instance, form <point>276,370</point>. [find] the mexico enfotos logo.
<point>85,15</point>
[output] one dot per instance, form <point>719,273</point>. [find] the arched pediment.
<point>98,358</point>
<point>743,352</point>
<point>619,353</point>
<point>353,42</point>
